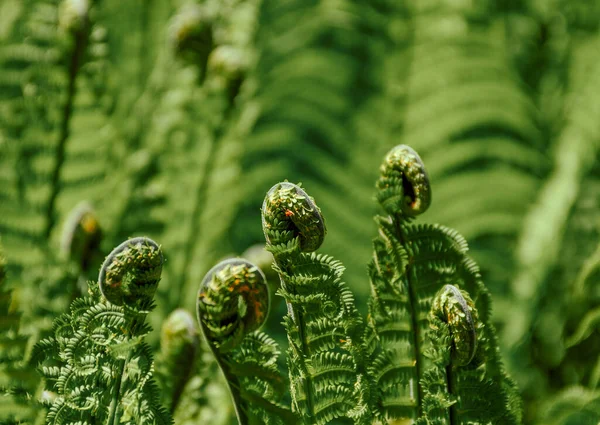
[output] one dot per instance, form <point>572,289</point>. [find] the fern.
<point>96,361</point>
<point>233,301</point>
<point>546,226</point>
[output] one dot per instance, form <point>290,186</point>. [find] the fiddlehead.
<point>130,274</point>
<point>411,268</point>
<point>403,185</point>
<point>457,310</point>
<point>289,212</point>
<point>96,361</point>
<point>233,302</point>
<point>327,358</point>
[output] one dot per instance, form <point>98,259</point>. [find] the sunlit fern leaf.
<point>463,93</point>
<point>575,151</point>
<point>44,57</point>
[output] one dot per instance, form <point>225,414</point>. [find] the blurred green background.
<point>173,118</point>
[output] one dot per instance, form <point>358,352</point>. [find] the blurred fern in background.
<point>172,118</point>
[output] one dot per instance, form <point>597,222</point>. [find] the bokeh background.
<point>172,119</point>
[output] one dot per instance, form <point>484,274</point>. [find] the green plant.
<point>96,362</point>
<point>425,353</point>
<point>171,119</point>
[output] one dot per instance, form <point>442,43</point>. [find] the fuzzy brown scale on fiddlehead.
<point>403,184</point>
<point>456,308</point>
<point>288,212</point>
<point>233,301</point>
<point>130,273</point>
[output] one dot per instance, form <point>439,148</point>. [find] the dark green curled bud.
<point>456,308</point>
<point>403,185</point>
<point>288,208</point>
<point>130,273</point>
<point>233,300</point>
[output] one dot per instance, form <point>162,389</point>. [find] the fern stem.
<point>114,403</point>
<point>74,65</point>
<point>233,383</point>
<point>298,319</point>
<point>451,390</point>
<point>414,302</point>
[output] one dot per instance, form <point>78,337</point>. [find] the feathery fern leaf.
<point>96,360</point>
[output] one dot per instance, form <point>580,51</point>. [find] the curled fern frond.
<point>292,213</point>
<point>130,274</point>
<point>457,309</point>
<point>81,236</point>
<point>96,360</point>
<point>417,268</point>
<point>191,34</point>
<point>458,387</point>
<point>178,349</point>
<point>403,184</point>
<point>233,302</point>
<point>327,357</point>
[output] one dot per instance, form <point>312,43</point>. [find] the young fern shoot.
<point>411,270</point>
<point>327,357</point>
<point>178,349</point>
<point>96,361</point>
<point>233,303</point>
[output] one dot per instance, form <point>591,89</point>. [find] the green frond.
<point>233,302</point>
<point>96,362</point>
<point>328,380</point>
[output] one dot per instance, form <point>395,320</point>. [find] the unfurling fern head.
<point>81,235</point>
<point>456,308</point>
<point>131,272</point>
<point>288,212</point>
<point>403,184</point>
<point>233,300</point>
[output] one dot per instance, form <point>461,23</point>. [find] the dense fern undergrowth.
<point>160,264</point>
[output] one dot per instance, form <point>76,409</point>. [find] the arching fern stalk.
<point>233,302</point>
<point>96,362</point>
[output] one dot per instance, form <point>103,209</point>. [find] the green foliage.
<point>233,301</point>
<point>96,362</point>
<point>172,118</point>
<point>18,383</point>
<point>327,357</point>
